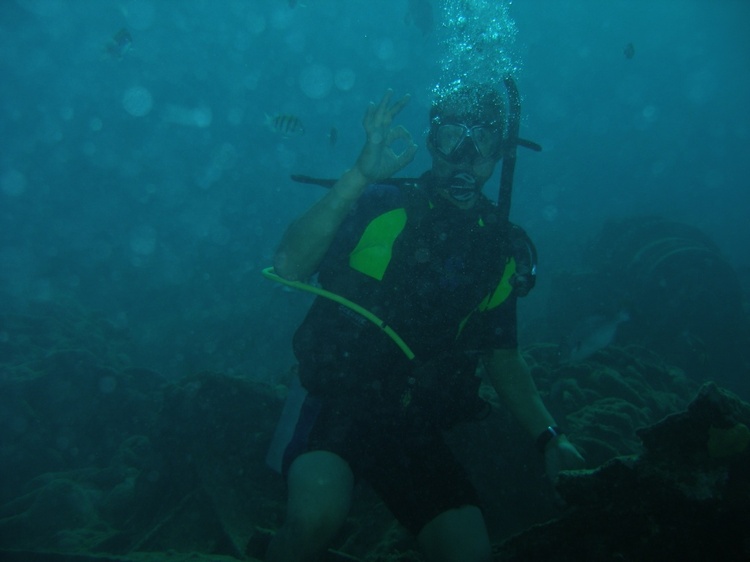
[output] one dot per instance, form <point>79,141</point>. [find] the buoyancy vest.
<point>440,277</point>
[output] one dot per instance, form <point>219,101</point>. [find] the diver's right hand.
<point>378,160</point>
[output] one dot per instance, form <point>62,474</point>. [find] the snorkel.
<point>462,186</point>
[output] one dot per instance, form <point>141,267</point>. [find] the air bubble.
<point>137,101</point>
<point>345,79</point>
<point>13,183</point>
<point>139,13</point>
<point>316,81</point>
<point>143,240</point>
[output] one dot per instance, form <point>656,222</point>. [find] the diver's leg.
<point>320,489</point>
<point>456,535</point>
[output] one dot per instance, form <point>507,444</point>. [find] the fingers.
<point>377,122</point>
<point>398,133</point>
<point>407,155</point>
<point>381,113</point>
<point>398,106</point>
<point>375,113</point>
<point>369,115</point>
<point>401,133</point>
<point>383,106</point>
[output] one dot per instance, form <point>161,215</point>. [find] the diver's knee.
<point>323,466</point>
<point>320,489</point>
<point>322,518</point>
<point>320,481</point>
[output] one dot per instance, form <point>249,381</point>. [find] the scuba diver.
<point>417,286</point>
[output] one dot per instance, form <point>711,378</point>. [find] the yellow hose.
<point>269,273</point>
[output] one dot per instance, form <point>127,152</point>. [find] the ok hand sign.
<point>378,160</point>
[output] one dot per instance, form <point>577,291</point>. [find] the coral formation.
<point>101,460</point>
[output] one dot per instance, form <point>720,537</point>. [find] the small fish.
<point>333,137</point>
<point>119,45</point>
<point>592,334</point>
<point>285,125</point>
<point>629,51</point>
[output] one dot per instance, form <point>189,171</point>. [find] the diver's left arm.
<point>511,378</point>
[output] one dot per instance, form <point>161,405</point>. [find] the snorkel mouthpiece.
<point>462,186</point>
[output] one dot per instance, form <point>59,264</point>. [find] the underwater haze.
<point>148,146</point>
<point>148,149</point>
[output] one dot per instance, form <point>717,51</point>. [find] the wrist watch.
<point>546,436</point>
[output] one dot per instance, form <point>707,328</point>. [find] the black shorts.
<point>409,465</point>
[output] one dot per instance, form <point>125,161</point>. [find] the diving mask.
<point>458,142</point>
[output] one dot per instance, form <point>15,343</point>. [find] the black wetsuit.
<point>441,281</point>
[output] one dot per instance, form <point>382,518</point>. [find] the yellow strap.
<point>269,273</point>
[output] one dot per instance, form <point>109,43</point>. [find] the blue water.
<point>145,185</point>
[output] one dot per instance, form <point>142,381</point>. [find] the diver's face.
<point>464,154</point>
<point>460,182</point>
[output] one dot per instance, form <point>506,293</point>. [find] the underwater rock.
<point>682,296</point>
<point>603,401</point>
<point>144,467</point>
<point>677,500</point>
<point>210,486</point>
